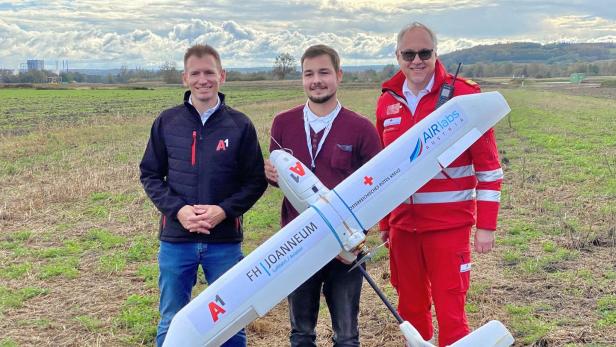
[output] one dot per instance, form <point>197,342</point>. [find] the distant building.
<point>54,79</point>
<point>577,78</point>
<point>35,65</point>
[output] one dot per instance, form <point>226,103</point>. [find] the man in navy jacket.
<point>203,169</point>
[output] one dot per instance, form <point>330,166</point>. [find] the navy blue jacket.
<point>188,163</point>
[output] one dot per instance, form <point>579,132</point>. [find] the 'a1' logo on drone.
<point>297,171</point>
<point>216,307</point>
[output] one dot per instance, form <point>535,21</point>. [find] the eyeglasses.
<point>409,55</point>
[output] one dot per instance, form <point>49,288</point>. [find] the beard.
<point>321,99</point>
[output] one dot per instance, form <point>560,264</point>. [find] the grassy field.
<point>78,235</point>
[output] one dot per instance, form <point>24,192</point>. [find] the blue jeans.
<point>178,264</point>
<point>342,290</point>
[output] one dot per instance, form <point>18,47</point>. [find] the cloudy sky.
<point>97,34</point>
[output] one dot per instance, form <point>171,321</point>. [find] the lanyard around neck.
<point>328,127</point>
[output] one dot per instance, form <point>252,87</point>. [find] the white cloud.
<point>148,33</point>
<point>395,7</point>
<point>193,31</point>
<point>237,31</point>
<point>581,28</point>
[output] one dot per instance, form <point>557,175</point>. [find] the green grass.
<point>19,236</point>
<point>91,324</point>
<point>8,245</point>
<point>16,271</point>
<point>609,83</point>
<point>607,310</point>
<point>51,252</point>
<point>477,288</point>
<point>142,249</point>
<point>73,106</point>
<point>8,342</point>
<point>539,118</point>
<point>113,263</point>
<point>102,204</point>
<point>381,254</point>
<point>139,316</point>
<point>104,238</point>
<point>471,308</point>
<point>549,246</point>
<point>149,274</point>
<point>64,266</point>
<point>585,274</point>
<point>520,235</point>
<point>511,257</point>
<point>96,139</point>
<point>101,212</point>
<point>11,298</point>
<point>548,263</point>
<point>70,247</point>
<point>38,323</point>
<point>527,327</point>
<point>21,251</point>
<point>74,247</point>
<point>260,222</point>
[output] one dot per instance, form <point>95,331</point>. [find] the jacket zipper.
<point>194,148</point>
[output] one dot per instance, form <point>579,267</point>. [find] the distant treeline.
<point>170,76</point>
<point>513,70</point>
<point>44,76</point>
<point>535,70</point>
<point>502,60</point>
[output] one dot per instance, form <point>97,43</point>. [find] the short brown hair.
<point>318,50</point>
<point>199,51</point>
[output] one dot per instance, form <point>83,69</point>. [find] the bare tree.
<point>283,65</point>
<point>170,74</point>
<point>388,72</point>
<point>123,75</point>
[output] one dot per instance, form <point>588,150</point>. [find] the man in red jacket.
<point>429,234</point>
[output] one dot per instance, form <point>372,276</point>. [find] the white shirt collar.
<point>413,100</point>
<point>207,113</point>
<point>319,123</point>
<point>427,89</point>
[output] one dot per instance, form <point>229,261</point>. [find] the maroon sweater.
<point>351,142</point>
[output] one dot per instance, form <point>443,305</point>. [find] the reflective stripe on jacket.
<point>467,191</point>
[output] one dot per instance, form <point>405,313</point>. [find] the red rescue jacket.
<point>467,191</point>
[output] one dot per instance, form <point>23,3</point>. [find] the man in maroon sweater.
<point>333,141</point>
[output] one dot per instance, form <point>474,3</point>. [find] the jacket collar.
<point>192,109</point>
<point>187,95</point>
<point>396,83</point>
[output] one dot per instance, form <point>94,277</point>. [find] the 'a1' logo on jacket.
<point>222,145</point>
<point>297,171</point>
<point>216,307</point>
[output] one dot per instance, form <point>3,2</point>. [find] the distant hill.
<point>528,52</point>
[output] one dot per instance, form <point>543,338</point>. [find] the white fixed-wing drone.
<point>332,223</point>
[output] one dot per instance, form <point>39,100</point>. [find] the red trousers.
<point>429,267</point>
